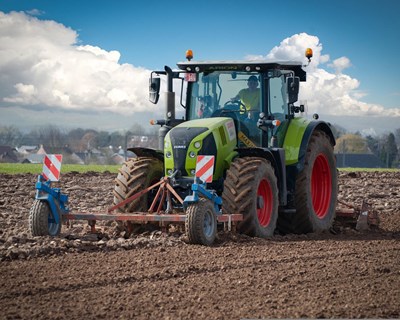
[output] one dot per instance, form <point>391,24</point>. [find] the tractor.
<point>272,167</point>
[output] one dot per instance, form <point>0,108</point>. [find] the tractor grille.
<point>209,148</point>
<point>180,140</point>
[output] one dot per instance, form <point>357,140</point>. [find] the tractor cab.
<point>258,95</point>
<point>244,93</point>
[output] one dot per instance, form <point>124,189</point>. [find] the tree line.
<point>78,140</point>
<point>384,146</point>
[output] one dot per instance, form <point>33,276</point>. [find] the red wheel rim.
<point>321,186</point>
<point>265,192</point>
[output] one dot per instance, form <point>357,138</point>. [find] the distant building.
<point>41,150</point>
<point>27,149</point>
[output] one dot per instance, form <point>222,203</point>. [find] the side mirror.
<point>293,85</point>
<point>154,89</point>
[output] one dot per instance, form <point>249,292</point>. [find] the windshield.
<point>229,94</point>
<point>218,90</point>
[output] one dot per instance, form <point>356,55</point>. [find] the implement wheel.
<point>316,188</point>
<point>135,175</point>
<point>41,220</point>
<point>201,222</point>
<point>250,188</point>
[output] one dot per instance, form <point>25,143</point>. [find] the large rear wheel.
<point>316,187</point>
<point>250,188</point>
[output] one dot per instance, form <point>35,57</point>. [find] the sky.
<point>74,63</point>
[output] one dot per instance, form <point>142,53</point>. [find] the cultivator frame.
<point>156,214</point>
<point>363,217</point>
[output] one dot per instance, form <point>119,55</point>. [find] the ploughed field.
<point>342,273</point>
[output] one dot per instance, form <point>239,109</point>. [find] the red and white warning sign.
<point>52,167</point>
<point>205,168</point>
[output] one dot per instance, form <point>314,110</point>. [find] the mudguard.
<point>147,152</point>
<point>297,137</point>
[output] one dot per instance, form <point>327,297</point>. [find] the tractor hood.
<point>211,136</point>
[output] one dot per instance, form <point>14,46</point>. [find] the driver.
<point>250,96</point>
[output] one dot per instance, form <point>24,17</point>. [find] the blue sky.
<point>151,34</point>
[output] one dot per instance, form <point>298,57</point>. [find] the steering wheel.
<point>231,107</point>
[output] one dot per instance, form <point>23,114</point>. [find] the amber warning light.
<point>309,54</point>
<point>189,54</point>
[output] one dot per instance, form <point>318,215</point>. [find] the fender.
<point>297,137</point>
<point>147,152</point>
<point>313,126</point>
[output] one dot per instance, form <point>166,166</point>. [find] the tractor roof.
<point>243,66</point>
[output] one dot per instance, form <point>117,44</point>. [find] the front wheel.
<point>201,222</point>
<point>135,175</point>
<point>251,189</point>
<point>42,221</point>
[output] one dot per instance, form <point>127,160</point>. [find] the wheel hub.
<point>260,202</point>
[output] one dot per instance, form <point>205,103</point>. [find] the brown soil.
<point>342,274</point>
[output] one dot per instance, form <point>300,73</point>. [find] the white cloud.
<point>41,64</point>
<point>325,92</point>
<point>340,64</point>
<point>35,12</point>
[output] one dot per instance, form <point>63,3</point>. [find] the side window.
<point>277,96</point>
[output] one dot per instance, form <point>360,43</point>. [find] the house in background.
<point>8,155</point>
<point>23,150</point>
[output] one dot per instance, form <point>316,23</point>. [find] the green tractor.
<point>272,167</point>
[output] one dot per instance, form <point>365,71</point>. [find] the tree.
<point>10,136</point>
<point>52,136</point>
<point>373,144</point>
<point>137,129</point>
<point>103,139</point>
<point>351,143</point>
<point>397,136</point>
<point>390,151</point>
<point>338,131</point>
<point>117,139</point>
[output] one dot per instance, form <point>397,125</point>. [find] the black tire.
<point>41,220</point>
<point>316,188</point>
<point>135,175</point>
<point>201,222</point>
<point>250,188</point>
